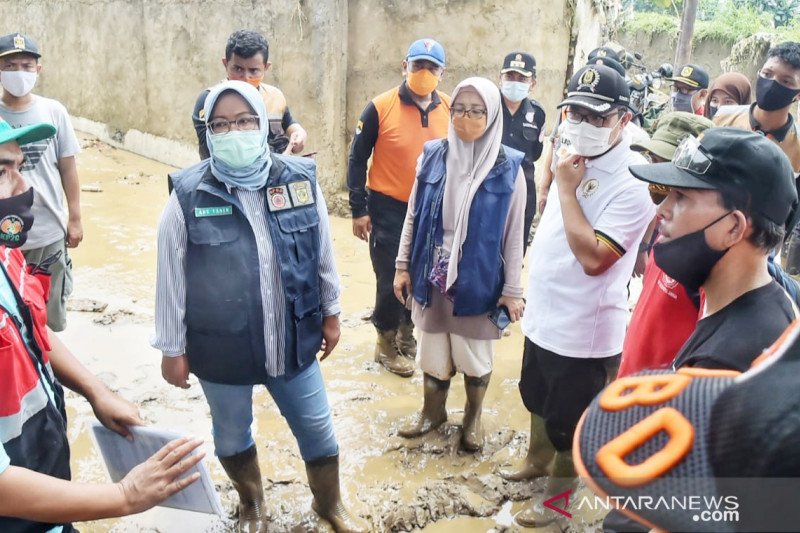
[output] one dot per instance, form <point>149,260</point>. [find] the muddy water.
<point>422,484</point>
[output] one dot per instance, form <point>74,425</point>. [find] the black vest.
<point>224,314</point>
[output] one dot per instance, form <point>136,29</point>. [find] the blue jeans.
<point>302,402</point>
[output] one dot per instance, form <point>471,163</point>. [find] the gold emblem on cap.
<point>19,42</point>
<point>687,71</point>
<point>589,79</point>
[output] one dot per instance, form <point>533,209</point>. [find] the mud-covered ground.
<point>398,485</point>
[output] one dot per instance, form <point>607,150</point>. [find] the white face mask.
<point>18,82</point>
<point>587,140</point>
<point>515,90</point>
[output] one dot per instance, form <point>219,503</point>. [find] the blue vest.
<point>224,313</point>
<point>480,272</point>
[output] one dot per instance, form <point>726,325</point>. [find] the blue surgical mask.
<point>237,149</point>
<point>515,90</point>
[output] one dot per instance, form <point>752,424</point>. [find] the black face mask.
<point>688,259</point>
<point>712,110</point>
<point>16,219</point>
<point>771,95</point>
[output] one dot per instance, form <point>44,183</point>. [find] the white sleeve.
<point>328,277</point>
<point>170,334</point>
<point>67,144</point>
<point>626,217</point>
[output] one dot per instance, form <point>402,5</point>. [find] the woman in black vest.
<point>247,293</point>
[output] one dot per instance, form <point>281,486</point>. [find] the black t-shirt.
<point>732,337</point>
<point>523,131</point>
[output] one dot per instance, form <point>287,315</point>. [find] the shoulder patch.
<point>301,193</point>
<point>278,198</point>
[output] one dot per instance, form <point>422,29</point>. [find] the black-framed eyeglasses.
<point>690,155</point>
<point>474,112</point>
<point>222,126</point>
<point>598,121</point>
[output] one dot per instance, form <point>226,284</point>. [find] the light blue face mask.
<point>237,149</point>
<point>515,90</point>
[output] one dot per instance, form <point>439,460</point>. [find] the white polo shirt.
<point>569,312</point>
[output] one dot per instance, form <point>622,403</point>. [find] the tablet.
<point>121,455</point>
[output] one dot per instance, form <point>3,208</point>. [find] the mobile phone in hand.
<point>500,317</point>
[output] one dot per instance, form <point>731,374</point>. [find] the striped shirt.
<point>170,334</point>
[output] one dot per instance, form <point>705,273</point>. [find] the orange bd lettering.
<point>611,457</point>
<point>642,390</point>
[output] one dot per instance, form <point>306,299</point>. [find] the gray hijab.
<point>471,162</point>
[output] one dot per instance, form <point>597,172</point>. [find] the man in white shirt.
<point>580,262</point>
<point>49,167</point>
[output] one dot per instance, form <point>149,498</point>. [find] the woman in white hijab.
<point>460,256</point>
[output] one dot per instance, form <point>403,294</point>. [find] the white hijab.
<point>470,161</point>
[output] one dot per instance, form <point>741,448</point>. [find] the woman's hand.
<point>515,306</point>
<point>115,412</point>
<point>158,478</point>
<point>402,285</point>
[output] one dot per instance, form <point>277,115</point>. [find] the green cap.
<point>25,134</point>
<point>671,129</point>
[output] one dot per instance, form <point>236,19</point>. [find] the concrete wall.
<point>659,48</point>
<point>132,69</point>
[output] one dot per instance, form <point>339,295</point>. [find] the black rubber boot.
<point>387,354</point>
<point>540,454</point>
<point>323,479</point>
<point>563,479</point>
<point>245,474</point>
<point>434,410</point>
<point>406,342</point>
<point>472,429</point>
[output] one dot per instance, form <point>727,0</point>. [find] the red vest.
<point>664,317</point>
<point>33,431</point>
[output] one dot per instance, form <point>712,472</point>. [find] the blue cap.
<point>426,49</point>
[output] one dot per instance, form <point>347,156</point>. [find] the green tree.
<point>782,11</point>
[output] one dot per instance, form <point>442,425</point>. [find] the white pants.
<point>443,354</point>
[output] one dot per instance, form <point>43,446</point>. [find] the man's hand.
<point>297,141</point>
<point>362,227</point>
<point>515,306</point>
<point>175,370</point>
<point>74,232</point>
<point>155,480</point>
<point>115,412</point>
<point>640,264</point>
<point>541,200</point>
<point>569,173</point>
<point>402,285</point>
<point>331,332</point>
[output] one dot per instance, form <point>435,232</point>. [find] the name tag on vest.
<point>200,212</point>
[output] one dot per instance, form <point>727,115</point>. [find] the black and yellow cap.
<point>16,43</point>
<point>693,76</point>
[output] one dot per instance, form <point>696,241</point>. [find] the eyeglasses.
<point>598,121</point>
<point>221,126</point>
<point>475,112</point>
<point>690,155</point>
